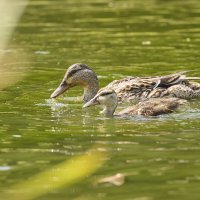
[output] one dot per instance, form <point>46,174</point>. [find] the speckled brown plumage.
<point>130,88</point>
<point>149,107</point>
<point>135,89</point>
<point>154,107</point>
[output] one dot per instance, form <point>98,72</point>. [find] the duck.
<point>129,88</point>
<point>149,107</point>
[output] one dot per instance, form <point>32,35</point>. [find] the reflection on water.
<point>160,155</point>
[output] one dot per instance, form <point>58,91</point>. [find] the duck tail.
<point>193,78</point>
<point>188,77</point>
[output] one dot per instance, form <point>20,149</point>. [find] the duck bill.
<point>60,90</point>
<point>92,102</point>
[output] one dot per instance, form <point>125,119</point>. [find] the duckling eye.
<point>63,83</point>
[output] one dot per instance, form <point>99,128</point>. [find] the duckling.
<point>130,88</point>
<point>149,107</point>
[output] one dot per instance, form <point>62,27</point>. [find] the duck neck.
<point>109,110</point>
<point>90,90</point>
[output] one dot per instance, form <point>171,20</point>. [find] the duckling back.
<point>154,107</point>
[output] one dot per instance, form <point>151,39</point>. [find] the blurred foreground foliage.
<point>10,69</point>
<point>64,174</point>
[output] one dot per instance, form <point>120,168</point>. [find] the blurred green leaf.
<point>63,174</point>
<point>10,13</point>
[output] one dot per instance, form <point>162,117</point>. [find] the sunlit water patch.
<point>5,168</point>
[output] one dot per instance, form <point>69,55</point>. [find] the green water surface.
<point>117,38</point>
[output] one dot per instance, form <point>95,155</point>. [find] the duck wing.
<point>172,79</point>
<point>138,88</point>
<point>133,88</point>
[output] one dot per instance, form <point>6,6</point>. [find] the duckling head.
<point>79,75</point>
<point>106,98</point>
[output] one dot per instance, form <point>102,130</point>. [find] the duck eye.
<point>73,72</point>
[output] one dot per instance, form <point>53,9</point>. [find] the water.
<point>116,38</point>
